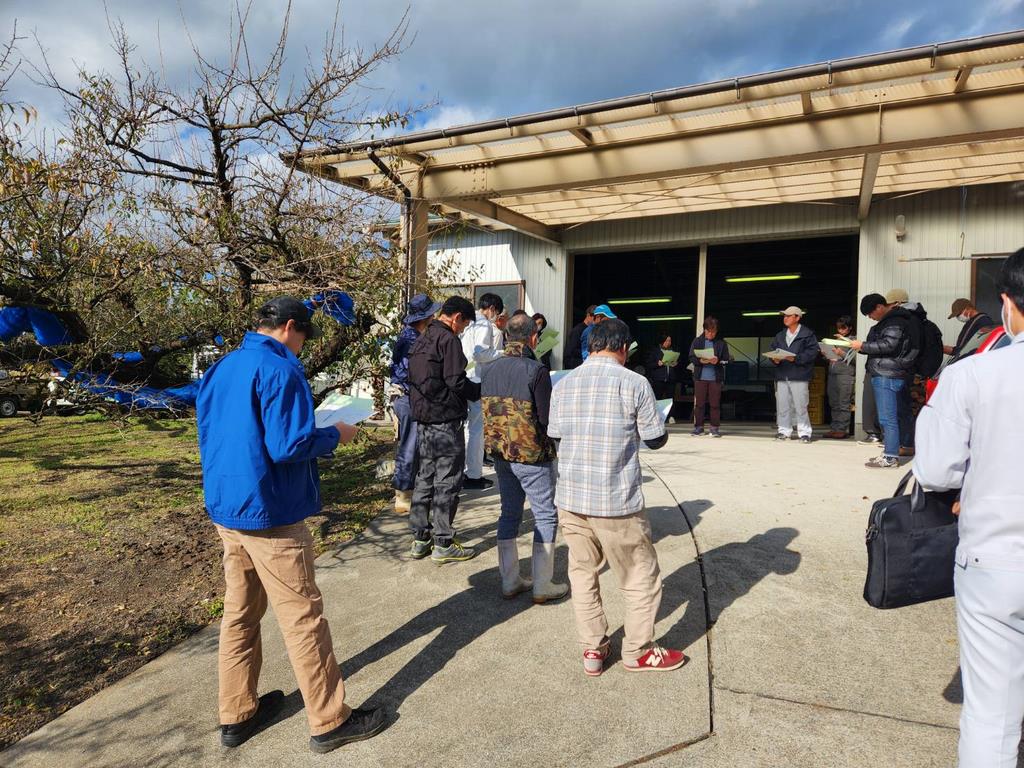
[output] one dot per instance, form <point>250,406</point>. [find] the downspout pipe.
<point>406,217</point>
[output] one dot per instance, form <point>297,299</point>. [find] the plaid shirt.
<point>601,411</point>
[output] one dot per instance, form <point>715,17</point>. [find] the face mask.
<point>1005,317</point>
<point>962,318</point>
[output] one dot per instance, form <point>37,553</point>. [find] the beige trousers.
<point>625,543</point>
<point>276,563</point>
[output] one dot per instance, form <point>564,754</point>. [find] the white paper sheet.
<point>557,376</point>
<point>343,408</point>
<point>665,406</point>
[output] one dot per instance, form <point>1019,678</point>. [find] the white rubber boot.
<point>403,502</point>
<point>512,583</point>
<point>544,589</point>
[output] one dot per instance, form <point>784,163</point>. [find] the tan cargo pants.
<point>625,542</point>
<point>276,563</point>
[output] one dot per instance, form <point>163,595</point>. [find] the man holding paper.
<point>258,443</point>
<point>794,350</point>
<point>842,375</point>
<point>709,354</point>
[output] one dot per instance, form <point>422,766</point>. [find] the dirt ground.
<point>107,558</point>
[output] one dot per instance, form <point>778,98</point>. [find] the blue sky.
<point>476,59</point>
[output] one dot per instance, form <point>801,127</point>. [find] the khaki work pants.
<point>276,563</point>
<point>625,542</point>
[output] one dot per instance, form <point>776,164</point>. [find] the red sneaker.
<point>657,659</point>
<point>593,660</point>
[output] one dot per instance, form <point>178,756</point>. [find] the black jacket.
<point>661,374</point>
<point>572,357</point>
<point>438,387</point>
<point>806,350</point>
<point>721,352</point>
<point>892,345</point>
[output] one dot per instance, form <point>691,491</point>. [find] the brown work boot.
<point>836,435</point>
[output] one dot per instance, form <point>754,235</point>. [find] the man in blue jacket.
<point>259,443</point>
<point>793,375</point>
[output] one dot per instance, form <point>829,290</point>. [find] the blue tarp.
<point>51,332</point>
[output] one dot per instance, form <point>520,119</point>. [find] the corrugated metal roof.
<point>840,132</point>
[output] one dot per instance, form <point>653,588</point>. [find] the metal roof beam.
<point>867,183</point>
<point>960,81</point>
<point>487,211</point>
<point>585,137</point>
<point>904,126</point>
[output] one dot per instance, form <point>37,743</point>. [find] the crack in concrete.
<point>833,708</point>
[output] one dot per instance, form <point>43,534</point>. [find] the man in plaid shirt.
<point>600,412</point>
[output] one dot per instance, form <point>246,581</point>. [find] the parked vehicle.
<point>983,341</point>
<point>19,393</point>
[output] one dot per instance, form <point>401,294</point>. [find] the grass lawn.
<point>107,557</point>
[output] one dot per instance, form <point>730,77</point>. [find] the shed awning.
<point>839,132</point>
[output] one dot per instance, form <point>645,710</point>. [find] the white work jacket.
<point>482,343</point>
<point>969,437</point>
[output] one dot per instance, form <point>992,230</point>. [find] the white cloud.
<point>449,116</point>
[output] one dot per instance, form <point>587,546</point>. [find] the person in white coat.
<point>968,436</point>
<point>482,344</point>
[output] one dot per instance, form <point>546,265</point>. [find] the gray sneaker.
<point>420,549</point>
<point>882,462</point>
<point>870,440</point>
<point>453,553</point>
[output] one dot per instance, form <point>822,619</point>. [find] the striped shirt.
<point>601,412</point>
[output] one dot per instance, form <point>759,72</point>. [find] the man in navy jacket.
<point>259,443</point>
<point>793,374</point>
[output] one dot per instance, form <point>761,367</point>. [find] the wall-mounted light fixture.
<point>762,278</point>
<point>643,300</point>
<point>659,318</point>
<point>763,313</point>
<point>901,227</point>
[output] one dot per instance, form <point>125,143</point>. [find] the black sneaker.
<point>805,440</point>
<point>715,433</point>
<point>697,432</point>
<point>361,724</point>
<point>781,437</point>
<point>477,484</point>
<point>238,733</point>
<point>870,440</point>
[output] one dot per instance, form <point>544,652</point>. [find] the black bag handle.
<point>903,483</point>
<point>917,499</point>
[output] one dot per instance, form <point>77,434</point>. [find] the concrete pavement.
<point>804,673</point>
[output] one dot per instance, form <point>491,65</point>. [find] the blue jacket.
<point>400,356</point>
<point>804,347</point>
<point>257,438</point>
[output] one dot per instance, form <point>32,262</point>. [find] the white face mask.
<point>962,318</point>
<point>1005,317</point>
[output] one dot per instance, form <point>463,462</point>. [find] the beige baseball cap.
<point>792,311</point>
<point>897,296</point>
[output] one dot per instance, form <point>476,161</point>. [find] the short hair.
<point>520,328</point>
<point>519,312</point>
<point>710,323</point>
<point>612,335</point>
<point>458,305</point>
<point>870,302</point>
<point>661,337</point>
<point>590,310</point>
<point>538,316</point>
<point>844,321</point>
<point>491,301</point>
<point>1011,279</point>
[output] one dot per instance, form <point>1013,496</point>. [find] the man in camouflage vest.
<point>515,395</point>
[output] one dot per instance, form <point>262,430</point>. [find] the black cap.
<point>869,302</point>
<point>285,308</point>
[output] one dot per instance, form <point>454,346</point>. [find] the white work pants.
<point>990,617</point>
<point>475,441</point>
<point>791,399</point>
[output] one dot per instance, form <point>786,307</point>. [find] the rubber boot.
<point>544,589</point>
<point>512,583</point>
<point>403,502</point>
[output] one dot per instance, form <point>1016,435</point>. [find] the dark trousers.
<point>840,399</point>
<point>666,390</point>
<point>405,451</point>
<point>435,500</point>
<point>707,392</point>
<point>869,420</point>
